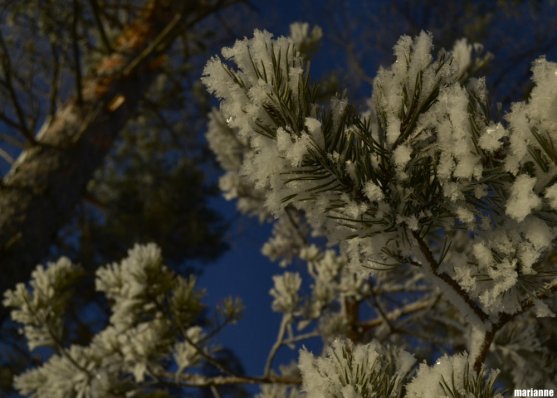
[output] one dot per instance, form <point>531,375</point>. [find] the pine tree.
<point>421,205</point>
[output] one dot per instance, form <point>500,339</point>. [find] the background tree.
<point>112,52</point>
<point>98,79</point>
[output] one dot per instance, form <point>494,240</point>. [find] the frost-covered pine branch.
<point>152,329</point>
<point>420,191</point>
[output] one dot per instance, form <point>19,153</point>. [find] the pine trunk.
<point>40,192</point>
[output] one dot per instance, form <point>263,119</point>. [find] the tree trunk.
<point>40,192</point>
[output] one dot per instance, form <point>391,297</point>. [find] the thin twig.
<point>76,53</point>
<point>383,314</point>
<point>170,32</point>
<point>10,122</point>
<point>408,309</point>
<point>215,392</point>
<point>301,337</point>
<point>54,81</point>
<point>278,343</point>
<point>6,156</point>
<point>157,45</point>
<point>194,344</point>
<point>59,346</point>
<point>202,381</point>
<point>9,84</point>
<point>100,26</point>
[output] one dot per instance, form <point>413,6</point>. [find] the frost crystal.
<point>285,292</point>
<point>348,370</point>
<point>490,140</point>
<point>522,198</point>
<point>450,376</point>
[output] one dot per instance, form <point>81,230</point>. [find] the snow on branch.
<point>422,179</point>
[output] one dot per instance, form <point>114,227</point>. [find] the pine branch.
<point>278,343</point>
<point>525,305</point>
<point>409,309</point>
<point>426,252</point>
<point>201,381</point>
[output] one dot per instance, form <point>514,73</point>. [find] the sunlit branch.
<point>409,309</point>
<point>201,381</point>
<point>278,343</point>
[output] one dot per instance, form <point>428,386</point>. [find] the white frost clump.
<point>285,292</point>
<point>462,55</point>
<point>186,354</point>
<point>401,156</point>
<point>41,309</point>
<point>490,140</point>
<point>498,258</point>
<point>133,283</point>
<point>538,115</point>
<point>449,370</point>
<point>522,199</point>
<point>314,128</point>
<point>372,191</point>
<point>136,344</point>
<point>450,117</point>
<point>287,239</point>
<point>412,58</point>
<point>230,150</point>
<point>291,147</point>
<point>245,92</point>
<point>351,371</point>
<point>543,98</point>
<point>305,39</point>
<point>551,196</point>
<point>60,378</point>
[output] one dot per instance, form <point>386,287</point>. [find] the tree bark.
<point>40,192</point>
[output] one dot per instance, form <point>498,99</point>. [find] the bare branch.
<point>76,53</point>
<point>100,26</point>
<point>10,122</point>
<point>9,84</point>
<point>7,138</point>
<point>201,381</point>
<point>417,306</point>
<point>278,343</point>
<point>54,81</point>
<point>6,156</point>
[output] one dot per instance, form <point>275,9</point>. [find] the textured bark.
<point>40,192</point>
